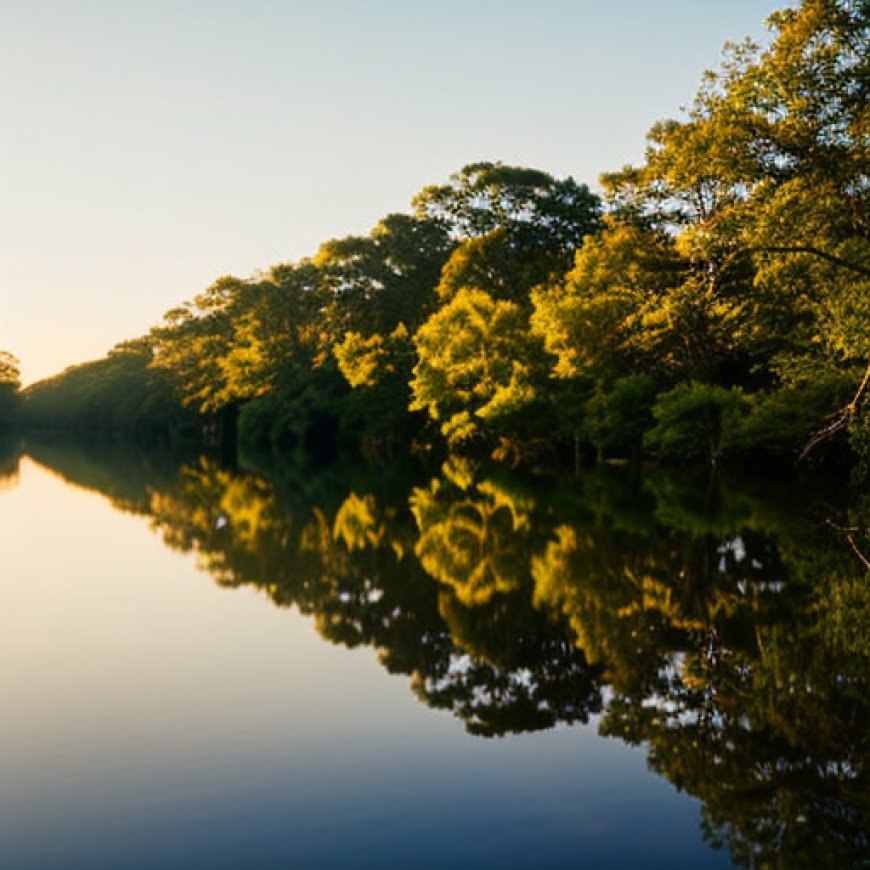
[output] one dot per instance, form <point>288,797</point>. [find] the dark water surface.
<point>205,667</point>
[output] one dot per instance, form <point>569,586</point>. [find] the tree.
<point>738,253</point>
<point>800,109</point>
<point>371,284</point>
<point>495,264</point>
<point>378,369</point>
<point>770,170</point>
<point>693,420</point>
<point>477,367</point>
<point>378,290</point>
<point>10,386</point>
<point>517,227</point>
<point>533,205</point>
<point>195,339</point>
<point>595,321</point>
<point>477,361</point>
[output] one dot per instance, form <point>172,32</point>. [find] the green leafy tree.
<point>695,421</point>
<point>737,254</point>
<point>379,370</point>
<point>495,264</point>
<point>477,367</point>
<point>517,227</point>
<point>196,338</point>
<point>799,112</point>
<point>536,208</point>
<point>371,284</point>
<point>374,291</point>
<point>10,386</point>
<point>765,186</point>
<point>592,321</point>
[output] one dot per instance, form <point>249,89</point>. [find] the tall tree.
<point>484,196</point>
<point>757,205</point>
<point>518,226</point>
<point>195,339</point>
<point>10,386</point>
<point>479,370</point>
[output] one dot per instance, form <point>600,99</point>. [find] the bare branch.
<point>840,420</point>
<point>838,424</point>
<point>847,533</point>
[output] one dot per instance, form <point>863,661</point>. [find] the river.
<point>282,666</point>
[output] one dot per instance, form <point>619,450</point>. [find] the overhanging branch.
<point>840,421</point>
<point>834,259</point>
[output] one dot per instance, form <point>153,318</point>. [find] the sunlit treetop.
<point>482,197</point>
<point>10,374</point>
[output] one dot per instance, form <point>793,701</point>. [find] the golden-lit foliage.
<point>737,254</point>
<point>473,364</point>
<point>590,321</point>
<point>471,534</point>
<point>365,362</point>
<point>357,523</point>
<point>732,268</point>
<point>361,358</point>
<point>9,370</point>
<point>195,340</point>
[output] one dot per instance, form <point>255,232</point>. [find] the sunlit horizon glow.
<point>151,148</point>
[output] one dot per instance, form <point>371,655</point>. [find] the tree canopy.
<point>10,384</point>
<point>714,307</point>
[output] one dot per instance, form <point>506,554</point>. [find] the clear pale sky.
<point>150,146</point>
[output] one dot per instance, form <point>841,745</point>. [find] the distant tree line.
<point>714,303</point>
<point>10,386</point>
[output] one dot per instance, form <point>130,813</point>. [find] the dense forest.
<point>711,305</point>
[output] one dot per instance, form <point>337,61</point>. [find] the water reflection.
<point>725,628</point>
<point>9,460</point>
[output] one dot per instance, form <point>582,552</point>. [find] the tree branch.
<point>840,421</point>
<point>795,249</point>
<point>847,534</point>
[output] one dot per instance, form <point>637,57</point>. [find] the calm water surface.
<point>204,667</point>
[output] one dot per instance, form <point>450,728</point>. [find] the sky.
<point>148,147</point>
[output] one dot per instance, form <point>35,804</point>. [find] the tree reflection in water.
<point>715,625</point>
<point>9,458</point>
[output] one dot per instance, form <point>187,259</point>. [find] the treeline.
<point>121,393</point>
<point>10,386</point>
<point>713,303</point>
